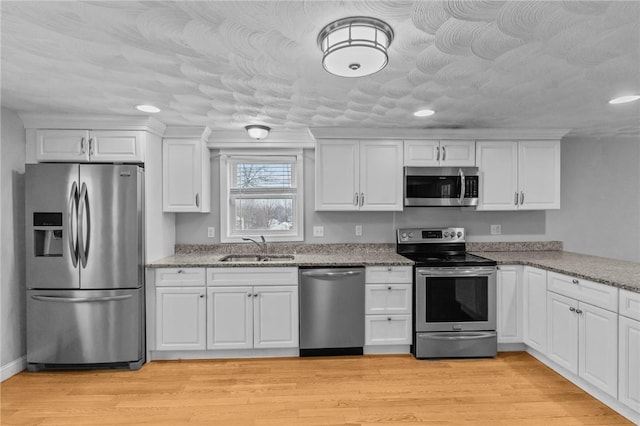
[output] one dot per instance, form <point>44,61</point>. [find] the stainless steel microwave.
<point>441,186</point>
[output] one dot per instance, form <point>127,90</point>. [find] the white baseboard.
<point>13,368</point>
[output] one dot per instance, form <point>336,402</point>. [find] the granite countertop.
<point>617,273</point>
<point>317,255</point>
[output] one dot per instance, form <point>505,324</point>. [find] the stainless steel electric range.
<point>454,295</point>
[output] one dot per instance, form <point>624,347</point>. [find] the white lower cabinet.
<point>583,337</point>
<point>535,308</point>
<point>629,350</point>
<point>388,305</point>
<point>252,317</point>
<point>509,312</point>
<point>180,318</point>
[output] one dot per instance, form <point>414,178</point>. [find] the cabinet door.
<point>180,318</point>
<point>388,298</point>
<point>114,146</point>
<point>458,153</point>
<point>535,308</point>
<point>599,347</point>
<point>275,317</point>
<point>421,153</point>
<point>381,175</point>
<point>539,175</point>
<point>497,162</point>
<point>62,145</point>
<point>185,176</point>
<point>336,175</point>
<point>387,330</point>
<point>562,325</point>
<point>230,317</point>
<point>629,359</point>
<point>509,305</point>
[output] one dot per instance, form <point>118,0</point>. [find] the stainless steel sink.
<point>256,258</point>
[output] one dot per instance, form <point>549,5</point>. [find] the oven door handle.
<point>446,272</point>
<point>461,336</point>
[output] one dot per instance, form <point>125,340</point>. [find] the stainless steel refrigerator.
<point>85,265</point>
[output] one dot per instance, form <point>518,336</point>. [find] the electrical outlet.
<point>211,232</point>
<point>496,229</point>
<point>318,231</point>
<point>358,230</point>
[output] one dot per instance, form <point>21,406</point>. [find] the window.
<point>261,194</point>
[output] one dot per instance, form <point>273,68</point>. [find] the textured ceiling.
<point>480,63</point>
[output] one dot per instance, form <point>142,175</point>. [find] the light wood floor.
<point>513,389</point>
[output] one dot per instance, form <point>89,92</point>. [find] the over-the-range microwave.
<point>441,186</point>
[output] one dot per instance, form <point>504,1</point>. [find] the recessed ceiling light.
<point>424,113</point>
<point>147,108</point>
<point>624,99</point>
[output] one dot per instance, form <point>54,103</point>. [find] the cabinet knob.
<point>389,268</point>
<point>197,200</point>
<point>579,311</point>
<point>575,281</point>
<point>255,295</point>
<point>388,318</point>
<point>572,309</point>
<point>389,288</point>
<point>180,271</point>
<point>201,296</point>
<point>249,294</point>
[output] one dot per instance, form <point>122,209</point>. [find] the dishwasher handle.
<point>331,274</point>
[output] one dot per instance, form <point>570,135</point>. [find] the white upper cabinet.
<point>444,153</point>
<point>358,175</point>
<point>84,146</point>
<point>519,175</point>
<point>186,176</point>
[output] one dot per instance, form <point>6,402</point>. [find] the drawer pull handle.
<point>575,281</point>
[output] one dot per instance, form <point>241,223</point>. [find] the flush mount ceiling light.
<point>148,108</point>
<point>257,131</point>
<point>355,46</point>
<point>624,99</point>
<point>424,113</point>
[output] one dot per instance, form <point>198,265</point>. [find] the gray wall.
<point>600,212</point>
<point>12,300</point>
<point>378,227</point>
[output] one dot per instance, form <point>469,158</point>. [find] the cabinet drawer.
<point>252,276</point>
<point>389,274</point>
<point>387,330</point>
<point>387,298</point>
<point>600,295</point>
<point>180,277</point>
<point>630,304</point>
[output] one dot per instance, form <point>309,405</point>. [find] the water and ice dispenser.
<point>47,234</point>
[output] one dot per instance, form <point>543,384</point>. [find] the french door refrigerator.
<point>85,266</point>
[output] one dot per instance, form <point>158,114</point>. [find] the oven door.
<point>455,299</point>
<point>440,186</point>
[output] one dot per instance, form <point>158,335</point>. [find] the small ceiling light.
<point>624,99</point>
<point>148,108</point>
<point>424,113</point>
<point>257,131</point>
<point>355,46</point>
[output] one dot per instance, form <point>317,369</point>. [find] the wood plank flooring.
<point>513,389</point>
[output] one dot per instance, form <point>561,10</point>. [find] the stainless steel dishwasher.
<point>331,311</point>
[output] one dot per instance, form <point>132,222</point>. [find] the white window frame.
<point>227,157</point>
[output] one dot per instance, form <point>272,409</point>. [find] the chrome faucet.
<point>264,249</point>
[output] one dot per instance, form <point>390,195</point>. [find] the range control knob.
<point>453,235</point>
<point>459,234</point>
<point>410,234</point>
<point>446,234</point>
<point>403,235</point>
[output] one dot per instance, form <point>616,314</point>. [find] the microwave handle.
<point>462,186</point>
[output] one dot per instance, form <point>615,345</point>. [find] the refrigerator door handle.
<point>80,299</point>
<point>84,217</point>
<point>72,233</point>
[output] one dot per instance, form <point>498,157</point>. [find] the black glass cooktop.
<point>449,260</point>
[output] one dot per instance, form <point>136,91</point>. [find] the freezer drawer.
<point>84,327</point>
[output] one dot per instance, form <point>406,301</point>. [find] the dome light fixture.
<point>355,46</point>
<point>148,108</point>
<point>257,131</point>
<point>424,113</point>
<point>624,99</point>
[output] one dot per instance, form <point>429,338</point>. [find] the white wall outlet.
<point>211,232</point>
<point>496,229</point>
<point>358,230</point>
<point>318,231</point>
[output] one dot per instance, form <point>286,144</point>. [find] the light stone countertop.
<point>617,273</point>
